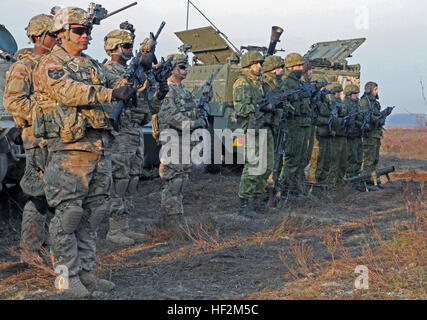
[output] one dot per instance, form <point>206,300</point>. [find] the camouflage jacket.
<point>323,118</point>
<point>303,112</point>
<point>248,93</point>
<point>72,94</point>
<point>365,103</point>
<point>273,83</point>
<point>354,129</point>
<point>17,97</point>
<point>341,131</point>
<point>179,109</point>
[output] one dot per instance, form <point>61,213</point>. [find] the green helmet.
<point>351,89</point>
<point>39,25</point>
<point>71,15</point>
<point>115,38</point>
<point>272,62</point>
<point>293,59</point>
<point>334,87</point>
<point>177,59</point>
<point>250,58</point>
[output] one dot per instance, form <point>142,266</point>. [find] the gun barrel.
<point>276,33</point>
<point>367,175</point>
<point>121,9</point>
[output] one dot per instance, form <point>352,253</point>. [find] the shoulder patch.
<point>19,75</point>
<point>55,73</point>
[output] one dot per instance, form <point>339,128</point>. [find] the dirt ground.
<point>217,254</point>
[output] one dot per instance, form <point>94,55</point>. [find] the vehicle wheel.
<point>3,166</point>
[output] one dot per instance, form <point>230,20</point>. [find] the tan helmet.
<point>177,59</point>
<point>272,62</point>
<point>68,16</point>
<point>39,25</point>
<point>116,38</point>
<point>250,58</point>
<point>351,89</point>
<point>293,59</point>
<point>334,87</point>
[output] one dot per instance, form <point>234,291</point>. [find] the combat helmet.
<point>369,86</point>
<point>351,89</point>
<point>272,62</point>
<point>68,16</point>
<point>334,87</point>
<point>293,59</point>
<point>115,38</point>
<point>250,58</point>
<point>177,59</point>
<point>39,25</point>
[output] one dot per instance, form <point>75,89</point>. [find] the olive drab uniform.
<point>18,102</point>
<point>338,153</point>
<point>178,112</point>
<point>354,139</point>
<point>298,133</point>
<point>73,95</point>
<point>371,143</point>
<point>248,93</point>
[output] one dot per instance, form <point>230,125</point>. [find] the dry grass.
<point>405,143</point>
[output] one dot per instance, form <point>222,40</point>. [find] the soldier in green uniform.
<point>372,141</point>
<point>354,139</point>
<point>179,112</point>
<point>298,128</point>
<point>338,151</point>
<point>248,94</point>
<point>17,101</point>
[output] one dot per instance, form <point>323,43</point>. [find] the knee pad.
<point>70,217</point>
<point>98,210</point>
<point>133,184</point>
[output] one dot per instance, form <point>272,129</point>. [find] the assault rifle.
<point>333,119</point>
<point>137,77</point>
<point>351,117</point>
<point>207,95</point>
<point>383,114</point>
<point>365,177</point>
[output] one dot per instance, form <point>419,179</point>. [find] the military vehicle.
<point>12,158</point>
<point>214,54</point>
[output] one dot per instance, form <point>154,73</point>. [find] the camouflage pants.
<point>295,153</point>
<point>254,185</point>
<point>338,164</point>
<point>33,232</point>
<point>354,154</point>
<point>371,154</point>
<point>127,158</point>
<point>77,186</point>
<point>323,159</point>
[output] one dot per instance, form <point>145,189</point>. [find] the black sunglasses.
<point>182,66</point>
<point>127,45</point>
<point>81,30</point>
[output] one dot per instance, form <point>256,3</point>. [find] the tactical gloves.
<point>162,90</point>
<point>123,93</point>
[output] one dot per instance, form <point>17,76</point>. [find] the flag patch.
<point>19,75</point>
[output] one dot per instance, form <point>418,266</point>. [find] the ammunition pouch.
<point>72,124</point>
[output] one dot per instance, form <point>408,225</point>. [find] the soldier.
<point>127,147</point>
<point>248,95</point>
<point>73,92</point>
<point>298,128</point>
<point>338,151</point>
<point>354,139</point>
<point>324,136</point>
<point>372,142</point>
<point>178,112</point>
<point>18,102</point>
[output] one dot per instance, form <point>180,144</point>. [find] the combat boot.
<point>76,288</point>
<point>93,283</point>
<point>246,208</point>
<point>124,223</point>
<point>261,206</point>
<point>115,234</point>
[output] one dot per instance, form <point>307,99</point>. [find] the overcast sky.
<point>394,54</point>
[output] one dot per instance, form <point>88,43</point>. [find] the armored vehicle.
<point>12,159</point>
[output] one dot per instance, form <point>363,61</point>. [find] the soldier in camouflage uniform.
<point>179,112</point>
<point>73,94</point>
<point>338,151</point>
<point>354,139</point>
<point>18,102</point>
<point>298,128</point>
<point>372,142</point>
<point>248,94</point>
<point>127,146</point>
<point>324,136</point>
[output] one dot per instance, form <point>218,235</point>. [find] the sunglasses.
<point>127,46</point>
<point>81,30</point>
<point>182,66</point>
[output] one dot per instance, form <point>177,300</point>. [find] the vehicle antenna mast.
<point>216,29</point>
